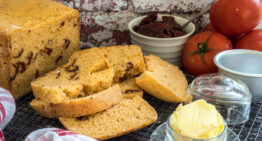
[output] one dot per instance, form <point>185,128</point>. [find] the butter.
<point>197,120</point>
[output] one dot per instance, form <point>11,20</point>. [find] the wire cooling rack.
<point>27,120</point>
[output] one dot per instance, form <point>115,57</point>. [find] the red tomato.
<point>234,39</point>
<point>235,17</point>
<point>252,40</point>
<point>206,44</point>
<point>209,27</point>
<point>260,10</point>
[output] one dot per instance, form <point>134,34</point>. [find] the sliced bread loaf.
<point>163,80</point>
<point>80,106</point>
<point>127,61</point>
<point>36,36</point>
<point>127,116</point>
<point>130,89</point>
<point>87,72</point>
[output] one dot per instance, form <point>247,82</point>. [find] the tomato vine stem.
<point>202,49</point>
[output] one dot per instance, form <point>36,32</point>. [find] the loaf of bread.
<point>80,106</point>
<point>129,115</point>
<point>130,89</point>
<point>163,80</point>
<point>127,61</point>
<point>87,72</point>
<point>36,36</point>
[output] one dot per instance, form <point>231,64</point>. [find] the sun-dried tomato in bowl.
<point>166,28</point>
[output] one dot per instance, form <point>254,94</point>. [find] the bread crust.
<point>80,106</point>
<point>4,59</point>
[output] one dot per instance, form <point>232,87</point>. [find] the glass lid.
<point>220,87</point>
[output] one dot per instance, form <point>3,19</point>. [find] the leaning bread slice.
<point>130,89</point>
<point>163,80</point>
<point>127,116</point>
<point>80,106</point>
<point>86,72</point>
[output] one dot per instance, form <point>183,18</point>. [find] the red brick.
<point>103,29</point>
<point>96,5</point>
<point>121,37</point>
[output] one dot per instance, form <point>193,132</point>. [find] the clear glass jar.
<point>171,135</point>
<point>230,96</point>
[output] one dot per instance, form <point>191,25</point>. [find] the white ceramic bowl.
<point>245,65</point>
<point>169,49</point>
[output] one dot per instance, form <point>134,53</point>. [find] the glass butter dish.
<point>196,121</point>
<point>165,133</point>
<point>230,96</point>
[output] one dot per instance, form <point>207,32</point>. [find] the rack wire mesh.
<point>27,120</point>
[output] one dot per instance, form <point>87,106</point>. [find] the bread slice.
<point>127,61</point>
<point>127,116</point>
<point>87,72</point>
<point>80,106</point>
<point>163,80</point>
<point>130,89</point>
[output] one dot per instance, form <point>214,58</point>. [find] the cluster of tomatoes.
<point>232,26</point>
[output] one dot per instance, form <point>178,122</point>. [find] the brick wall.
<point>104,22</point>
